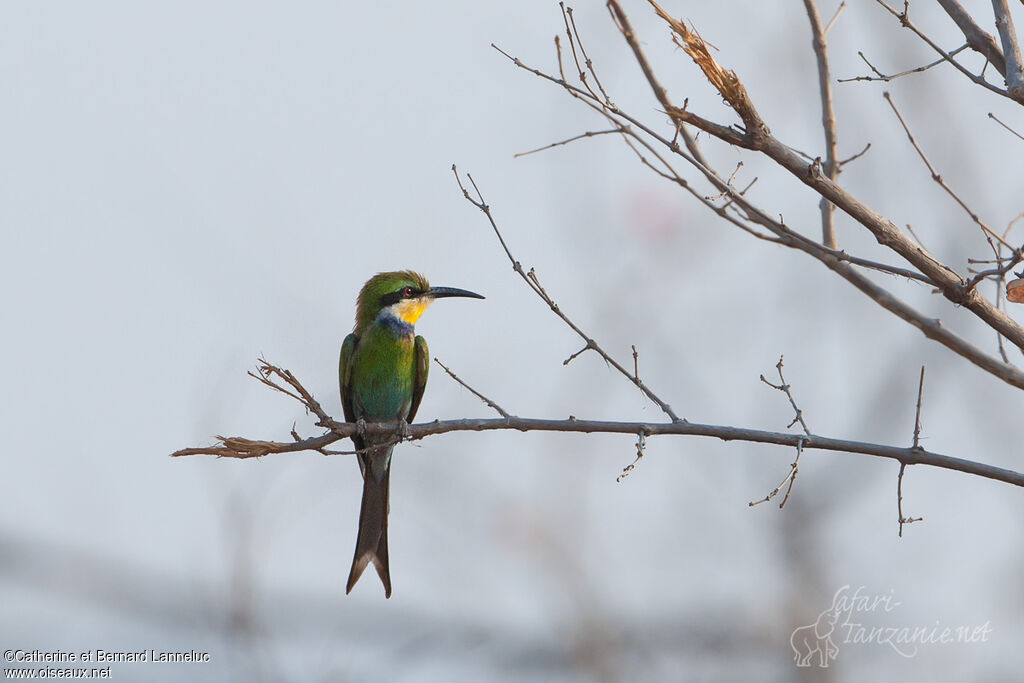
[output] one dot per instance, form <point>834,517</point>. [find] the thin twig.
<point>785,388</point>
<point>996,119</point>
<point>839,10</point>
<point>534,284</point>
<point>586,59</point>
<point>856,156</point>
<point>1004,265</point>
<point>899,501</point>
<point>790,477</point>
<point>913,234</point>
<point>917,416</point>
<point>739,165</point>
<point>476,393</point>
<point>570,33</point>
<point>794,467</point>
<point>579,353</point>
<point>879,76</point>
<point>903,466</point>
<point>267,371</point>
<point>588,134</point>
<point>989,232</point>
<point>641,443</point>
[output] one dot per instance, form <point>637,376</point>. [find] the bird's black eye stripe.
<point>394,297</point>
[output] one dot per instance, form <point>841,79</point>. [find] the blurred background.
<point>187,186</point>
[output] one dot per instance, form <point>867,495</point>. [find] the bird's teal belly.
<point>382,380</point>
<point>383,399</point>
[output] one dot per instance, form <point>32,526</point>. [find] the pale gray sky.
<point>186,186</point>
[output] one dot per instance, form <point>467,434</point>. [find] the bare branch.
<point>1011,50</point>
<point>949,283</point>
<point>626,28</point>
<point>726,82</point>
<point>831,167</point>
<point>758,137</point>
<point>905,21</point>
<point>979,41</point>
<point>243,448</point>
<point>885,232</point>
<point>267,371</point>
<point>238,447</point>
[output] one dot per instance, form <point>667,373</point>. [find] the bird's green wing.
<point>345,379</point>
<point>422,360</point>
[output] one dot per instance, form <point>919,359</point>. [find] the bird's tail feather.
<point>372,541</point>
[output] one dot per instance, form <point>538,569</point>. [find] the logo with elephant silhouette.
<point>817,643</point>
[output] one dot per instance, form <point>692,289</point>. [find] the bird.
<point>383,372</point>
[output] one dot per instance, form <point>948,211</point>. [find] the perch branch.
<point>234,447</point>
<point>238,447</point>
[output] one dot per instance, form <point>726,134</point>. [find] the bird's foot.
<point>361,427</point>
<point>403,431</point>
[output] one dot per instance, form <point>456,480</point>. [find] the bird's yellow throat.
<point>410,310</point>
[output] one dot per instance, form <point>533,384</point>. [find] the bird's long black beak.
<point>442,292</point>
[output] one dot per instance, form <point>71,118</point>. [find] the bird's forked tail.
<point>372,541</point>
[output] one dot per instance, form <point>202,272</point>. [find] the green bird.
<point>383,372</point>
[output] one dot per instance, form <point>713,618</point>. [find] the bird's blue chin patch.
<point>387,317</point>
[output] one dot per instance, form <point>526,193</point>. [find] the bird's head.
<point>403,294</point>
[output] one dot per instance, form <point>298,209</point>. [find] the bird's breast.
<point>383,373</point>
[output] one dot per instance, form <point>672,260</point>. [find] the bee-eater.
<point>383,372</point>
